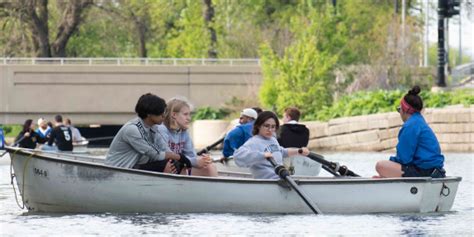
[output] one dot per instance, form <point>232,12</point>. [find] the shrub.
<point>209,113</point>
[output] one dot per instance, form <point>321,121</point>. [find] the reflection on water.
<point>458,222</point>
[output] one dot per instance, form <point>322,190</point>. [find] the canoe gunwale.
<point>304,180</point>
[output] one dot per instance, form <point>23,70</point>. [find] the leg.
<point>209,170</point>
<point>388,169</point>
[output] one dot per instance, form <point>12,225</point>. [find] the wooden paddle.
<point>332,167</point>
<point>281,171</point>
<point>208,148</point>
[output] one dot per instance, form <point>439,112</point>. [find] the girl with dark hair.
<point>254,153</point>
<point>418,150</point>
<point>28,138</point>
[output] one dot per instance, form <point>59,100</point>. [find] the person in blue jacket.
<point>240,134</point>
<point>418,149</point>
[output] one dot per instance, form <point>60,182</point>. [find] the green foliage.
<point>11,130</point>
<point>189,39</point>
<point>381,101</point>
<point>302,77</point>
<point>209,113</point>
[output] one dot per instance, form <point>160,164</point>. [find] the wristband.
<point>300,151</point>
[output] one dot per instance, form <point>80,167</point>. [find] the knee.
<point>379,166</point>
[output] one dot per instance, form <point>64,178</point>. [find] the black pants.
<point>158,166</point>
<point>413,171</point>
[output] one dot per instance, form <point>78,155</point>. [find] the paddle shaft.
<point>334,167</point>
<point>208,148</point>
<point>283,173</point>
<point>18,141</point>
<point>97,138</point>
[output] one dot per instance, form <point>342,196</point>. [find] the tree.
<point>35,13</point>
<point>209,18</point>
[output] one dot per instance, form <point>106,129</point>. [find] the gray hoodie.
<point>251,155</point>
<point>134,144</point>
<point>178,141</point>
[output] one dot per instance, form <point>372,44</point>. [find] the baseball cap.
<point>249,113</point>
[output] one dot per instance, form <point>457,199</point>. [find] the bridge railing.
<point>130,61</point>
<point>461,72</point>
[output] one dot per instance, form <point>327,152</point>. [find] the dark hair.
<point>58,118</point>
<point>413,99</point>
<point>150,104</point>
<point>257,109</point>
<point>27,125</point>
<point>68,121</point>
<point>262,117</point>
<point>293,113</point>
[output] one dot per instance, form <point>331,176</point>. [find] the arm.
<point>407,143</point>
<point>236,139</point>
<point>230,143</point>
<point>247,155</point>
<point>134,138</point>
<point>189,151</point>
<point>52,135</point>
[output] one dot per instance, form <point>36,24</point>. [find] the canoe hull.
<point>52,184</point>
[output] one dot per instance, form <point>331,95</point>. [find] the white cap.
<point>40,121</point>
<point>249,113</point>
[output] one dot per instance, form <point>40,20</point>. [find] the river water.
<point>459,222</point>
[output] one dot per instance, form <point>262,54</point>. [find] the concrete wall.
<point>454,128</point>
<point>107,94</point>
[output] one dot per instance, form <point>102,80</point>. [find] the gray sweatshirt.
<point>178,141</point>
<point>134,144</point>
<point>251,155</point>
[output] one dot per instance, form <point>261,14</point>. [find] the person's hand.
<point>170,168</point>
<point>267,155</point>
<point>27,134</point>
<point>304,151</point>
<point>203,161</point>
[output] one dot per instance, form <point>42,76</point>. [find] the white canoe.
<point>80,146</point>
<point>299,164</point>
<point>51,182</point>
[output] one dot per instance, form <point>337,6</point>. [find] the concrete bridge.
<point>104,91</point>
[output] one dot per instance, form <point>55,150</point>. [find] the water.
<point>458,222</point>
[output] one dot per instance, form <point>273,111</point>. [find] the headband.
<point>407,108</point>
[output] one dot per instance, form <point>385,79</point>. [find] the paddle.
<point>208,148</point>
<point>281,171</point>
<point>97,139</point>
<point>332,167</point>
<point>18,141</point>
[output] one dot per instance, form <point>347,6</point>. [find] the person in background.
<point>134,145</point>
<point>43,130</point>
<point>28,138</point>
<point>257,109</point>
<point>418,150</point>
<point>174,132</point>
<point>61,136</point>
<point>240,134</point>
<point>291,133</point>
<point>254,153</point>
<point>76,134</point>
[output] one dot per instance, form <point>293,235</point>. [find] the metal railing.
<point>131,61</point>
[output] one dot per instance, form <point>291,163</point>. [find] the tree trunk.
<point>208,18</point>
<point>38,22</point>
<point>69,25</point>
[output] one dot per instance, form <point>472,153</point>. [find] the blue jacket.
<point>417,145</point>
<point>236,138</point>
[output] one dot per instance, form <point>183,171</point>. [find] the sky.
<point>467,30</point>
